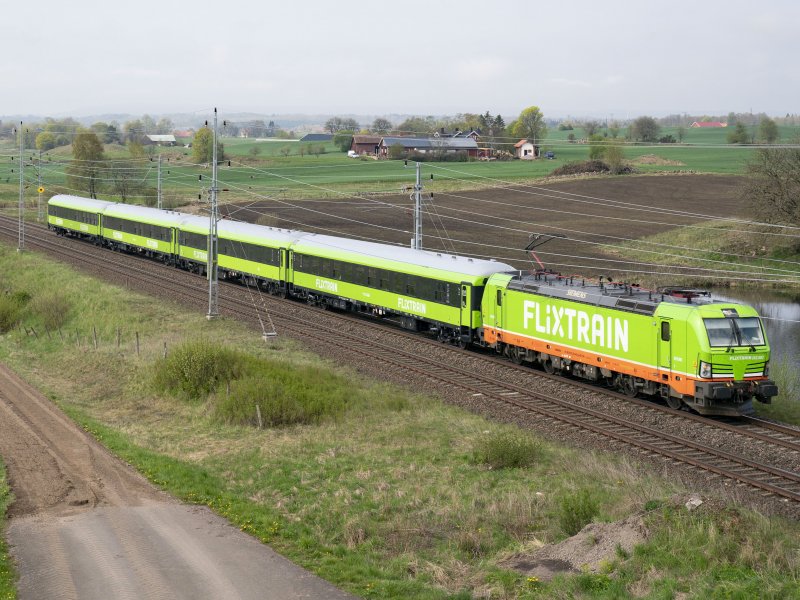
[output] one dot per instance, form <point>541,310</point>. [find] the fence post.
<point>94,334</point>
<point>137,343</point>
<point>258,414</point>
<point>119,337</point>
<point>165,349</point>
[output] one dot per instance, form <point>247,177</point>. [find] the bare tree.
<point>773,185</point>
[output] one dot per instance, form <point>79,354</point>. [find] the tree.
<point>645,129</point>
<point>133,131</point>
<point>343,139</point>
<point>45,141</point>
<point>417,125</point>
<point>335,124</point>
<point>681,131</point>
<point>396,151</point>
<point>126,179</point>
<point>773,185</point>
<point>84,172</point>
<point>615,157</point>
<point>254,151</point>
<point>498,127</point>
<point>381,126</point>
<point>739,134</point>
<point>768,130</point>
<point>613,129</point>
<point>203,147</point>
<point>164,126</point>
<point>530,125</point>
<point>591,128</point>
<point>597,147</point>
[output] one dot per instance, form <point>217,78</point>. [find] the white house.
<point>526,150</point>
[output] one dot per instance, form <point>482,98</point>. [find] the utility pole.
<point>21,244</point>
<point>160,201</point>
<point>40,189</point>
<point>417,241</point>
<point>211,262</point>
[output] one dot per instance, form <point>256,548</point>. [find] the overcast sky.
<point>580,58</point>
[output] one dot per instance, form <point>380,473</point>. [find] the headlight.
<point>705,369</point>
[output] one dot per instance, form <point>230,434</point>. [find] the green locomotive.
<point>710,356</point>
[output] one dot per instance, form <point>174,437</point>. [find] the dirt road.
<point>87,526</point>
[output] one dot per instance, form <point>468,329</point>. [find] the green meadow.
<point>291,169</point>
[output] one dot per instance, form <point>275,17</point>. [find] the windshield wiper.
<point>733,340</point>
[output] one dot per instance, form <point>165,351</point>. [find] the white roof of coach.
<point>77,202</point>
<point>166,218</point>
<point>255,232</point>
<point>423,258</point>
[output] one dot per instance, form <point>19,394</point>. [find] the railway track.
<point>557,412</point>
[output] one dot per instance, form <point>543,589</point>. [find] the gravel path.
<point>86,526</point>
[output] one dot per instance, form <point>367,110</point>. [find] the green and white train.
<point>679,345</point>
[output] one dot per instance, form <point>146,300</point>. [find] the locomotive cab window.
<point>739,331</point>
<point>665,333</point>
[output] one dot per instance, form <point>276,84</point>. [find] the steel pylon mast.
<point>159,194</point>
<point>418,209</point>
<point>213,241</point>
<point>21,241</point>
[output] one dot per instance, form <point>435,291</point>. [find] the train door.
<point>665,348</point>
<point>466,304</point>
<point>287,270</point>
<point>497,300</point>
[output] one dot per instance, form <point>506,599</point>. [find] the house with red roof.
<point>708,124</point>
<point>526,150</point>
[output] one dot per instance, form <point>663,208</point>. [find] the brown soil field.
<point>497,222</point>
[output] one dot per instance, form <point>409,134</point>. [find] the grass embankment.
<point>7,588</point>
<point>385,493</point>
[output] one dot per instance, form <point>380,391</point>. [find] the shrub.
<point>285,395</point>
<point>506,450</point>
<point>196,368</point>
<point>577,168</point>
<point>576,511</point>
<point>11,305</point>
<point>52,308</point>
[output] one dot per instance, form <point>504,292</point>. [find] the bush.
<point>196,368</point>
<point>52,308</point>
<point>577,168</point>
<point>285,395</point>
<point>576,511</point>
<point>506,450</point>
<point>11,305</point>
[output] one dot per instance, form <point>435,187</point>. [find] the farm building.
<point>526,150</point>
<point>430,145</point>
<point>708,124</point>
<point>159,140</point>
<point>474,134</point>
<point>317,137</point>
<point>366,144</point>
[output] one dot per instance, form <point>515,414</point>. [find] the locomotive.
<point>712,357</point>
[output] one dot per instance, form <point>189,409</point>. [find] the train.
<point>674,343</point>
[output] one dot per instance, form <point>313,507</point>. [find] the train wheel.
<point>549,367</point>
<point>674,403</point>
<point>515,353</point>
<point>629,387</point>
